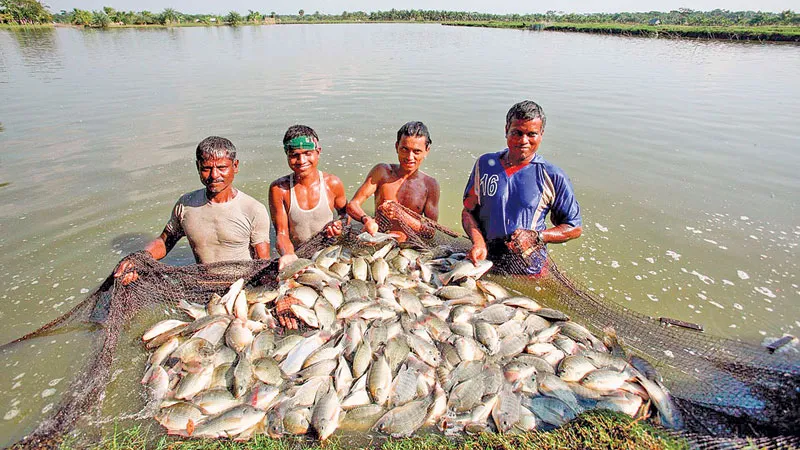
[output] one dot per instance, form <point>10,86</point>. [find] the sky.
<point>495,7</point>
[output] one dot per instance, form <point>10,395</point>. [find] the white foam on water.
<point>19,376</point>
<point>652,297</point>
<point>704,278</point>
<point>11,414</point>
<point>762,332</point>
<point>764,291</point>
<point>753,237</point>
<point>614,264</point>
<point>738,306</point>
<point>716,304</point>
<point>650,260</point>
<point>727,282</point>
<point>710,241</point>
<point>702,296</point>
<point>84,290</point>
<point>600,227</point>
<point>744,218</point>
<point>54,382</point>
<point>47,408</point>
<point>48,392</point>
<point>742,274</point>
<point>733,325</point>
<point>674,255</point>
<point>634,263</point>
<point>669,353</point>
<point>351,139</point>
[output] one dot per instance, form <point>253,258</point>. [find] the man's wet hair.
<point>215,147</point>
<point>525,110</point>
<point>414,129</point>
<point>297,131</point>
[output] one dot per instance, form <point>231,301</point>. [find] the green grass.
<point>15,26</point>
<point>766,33</point>
<point>593,430</point>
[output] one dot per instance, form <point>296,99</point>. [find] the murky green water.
<point>683,154</point>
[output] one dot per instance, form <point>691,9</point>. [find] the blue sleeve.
<point>565,208</point>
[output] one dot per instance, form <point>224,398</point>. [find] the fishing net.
<point>732,394</point>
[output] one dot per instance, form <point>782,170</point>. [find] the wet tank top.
<point>305,223</point>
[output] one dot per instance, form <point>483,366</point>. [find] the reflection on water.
<point>682,153</point>
<point>39,50</point>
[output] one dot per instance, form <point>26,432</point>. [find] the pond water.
<point>683,155</point>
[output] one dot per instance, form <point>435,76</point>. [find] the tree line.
<point>33,12</point>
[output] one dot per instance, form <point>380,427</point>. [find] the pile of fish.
<point>394,340</point>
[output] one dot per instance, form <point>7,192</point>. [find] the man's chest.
<point>410,193</point>
<point>210,226</point>
<point>522,187</point>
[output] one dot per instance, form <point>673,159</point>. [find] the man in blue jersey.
<point>510,193</point>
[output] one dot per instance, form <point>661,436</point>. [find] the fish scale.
<point>430,353</point>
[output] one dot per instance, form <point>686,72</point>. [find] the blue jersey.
<point>521,200</point>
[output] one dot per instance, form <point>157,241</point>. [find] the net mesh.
<point>732,394</point>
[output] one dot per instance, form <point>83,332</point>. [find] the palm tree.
<point>169,16</point>
<point>253,16</point>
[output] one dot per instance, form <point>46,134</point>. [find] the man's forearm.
<point>283,244</point>
<point>355,211</point>
<point>158,248</point>
<point>560,233</point>
<point>471,227</point>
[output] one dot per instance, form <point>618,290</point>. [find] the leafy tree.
<point>233,18</point>
<point>272,14</point>
<point>25,11</point>
<point>169,16</point>
<point>81,17</point>
<point>301,13</point>
<point>100,19</point>
<point>254,16</point>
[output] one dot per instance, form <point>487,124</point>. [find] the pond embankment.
<point>738,33</point>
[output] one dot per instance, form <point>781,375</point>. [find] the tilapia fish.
<point>393,340</point>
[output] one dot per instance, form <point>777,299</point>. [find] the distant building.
<point>655,21</point>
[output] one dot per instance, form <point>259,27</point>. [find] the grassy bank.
<point>595,430</point>
<point>755,33</point>
<point>14,26</point>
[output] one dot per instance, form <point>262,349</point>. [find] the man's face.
<point>217,174</point>
<point>411,151</point>
<point>303,160</point>
<point>523,138</point>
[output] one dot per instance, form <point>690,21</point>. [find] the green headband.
<point>301,142</point>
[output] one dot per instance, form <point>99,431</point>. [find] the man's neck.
<point>508,162</point>
<point>402,173</point>
<point>223,196</point>
<point>307,178</point>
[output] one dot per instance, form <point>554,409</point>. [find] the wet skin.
<point>217,175</point>
<point>403,183</point>
<point>523,138</point>
<point>303,163</point>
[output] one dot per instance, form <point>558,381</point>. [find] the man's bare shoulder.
<point>382,171</point>
<point>332,180</point>
<point>430,182</point>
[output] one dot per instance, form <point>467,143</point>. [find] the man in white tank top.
<point>221,222</point>
<point>303,203</point>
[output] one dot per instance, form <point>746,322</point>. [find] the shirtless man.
<point>221,222</point>
<point>302,203</point>
<point>403,183</point>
